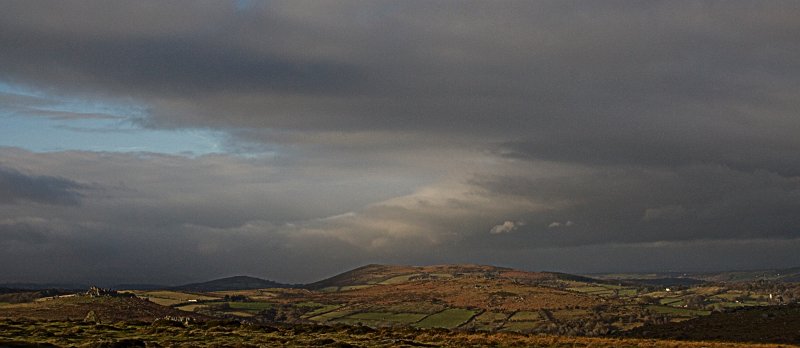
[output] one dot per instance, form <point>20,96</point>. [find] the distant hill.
<point>664,282</point>
<point>107,309</point>
<point>392,274</point>
<point>576,278</point>
<point>232,283</point>
<point>785,275</point>
<point>788,275</point>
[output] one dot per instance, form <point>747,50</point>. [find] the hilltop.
<point>231,283</point>
<point>390,274</point>
<point>106,309</point>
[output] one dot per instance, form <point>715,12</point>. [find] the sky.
<point>171,142</point>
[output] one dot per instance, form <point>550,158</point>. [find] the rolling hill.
<point>394,274</point>
<point>465,299</point>
<point>774,324</point>
<point>105,309</point>
<point>231,283</point>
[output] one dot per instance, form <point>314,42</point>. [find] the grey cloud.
<point>631,84</point>
<point>17,186</point>
<point>260,221</point>
<point>424,60</point>
<point>627,205</point>
<point>163,66</point>
<point>30,231</point>
<point>405,131</point>
<point>664,212</point>
<point>701,255</point>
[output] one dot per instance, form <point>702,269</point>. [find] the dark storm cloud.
<point>16,186</point>
<point>605,75</point>
<point>628,204</point>
<point>163,66</point>
<point>393,131</point>
<point>22,232</point>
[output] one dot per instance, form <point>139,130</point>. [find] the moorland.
<point>440,305</point>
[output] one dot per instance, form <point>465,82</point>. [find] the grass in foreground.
<point>211,334</point>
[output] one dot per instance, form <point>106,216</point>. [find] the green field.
<point>671,301</point>
<point>728,296</point>
<point>489,321</point>
<point>448,318</point>
<point>322,310</point>
<point>413,307</point>
<point>677,311</point>
<point>379,318</point>
<point>387,316</point>
<point>171,298</point>
<point>398,279</point>
<point>525,316</point>
<point>331,315</point>
<point>521,326</point>
<point>190,307</point>
<point>250,306</point>
<point>569,314</point>
<point>592,290</point>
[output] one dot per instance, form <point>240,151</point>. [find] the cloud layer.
<point>526,134</point>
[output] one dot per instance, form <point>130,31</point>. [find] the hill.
<point>390,274</point>
<point>784,275</point>
<point>787,275</point>
<point>465,299</point>
<point>106,309</point>
<point>773,324</point>
<point>231,283</point>
<point>664,282</point>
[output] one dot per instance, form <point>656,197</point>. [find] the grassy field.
<point>332,315</point>
<point>525,316</point>
<point>602,289</point>
<point>191,307</point>
<point>449,319</point>
<point>671,301</point>
<point>171,298</point>
<point>677,311</point>
<point>250,306</point>
<point>570,314</point>
<point>24,333</point>
<point>387,317</point>
<point>521,326</point>
<point>322,310</point>
<point>398,279</point>
<point>489,321</point>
